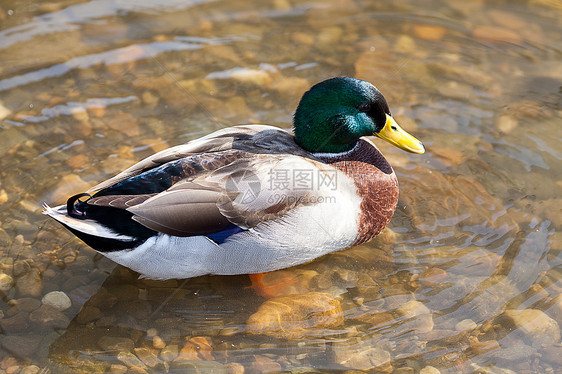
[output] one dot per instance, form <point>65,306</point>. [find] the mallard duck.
<point>254,198</point>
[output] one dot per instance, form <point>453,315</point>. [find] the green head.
<point>335,113</point>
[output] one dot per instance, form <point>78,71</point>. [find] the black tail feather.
<point>117,219</point>
<point>71,206</point>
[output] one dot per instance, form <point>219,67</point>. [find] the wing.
<point>240,176</point>
<point>251,190</point>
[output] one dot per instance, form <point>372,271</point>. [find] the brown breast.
<point>376,185</point>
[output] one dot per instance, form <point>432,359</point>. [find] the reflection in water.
<point>468,276</point>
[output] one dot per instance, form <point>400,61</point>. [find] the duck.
<point>251,199</point>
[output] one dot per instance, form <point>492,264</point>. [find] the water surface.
<point>465,279</point>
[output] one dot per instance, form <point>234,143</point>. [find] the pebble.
<point>3,196</point>
<point>282,4</point>
<point>555,309</point>
<point>147,356</point>
<point>291,317</point>
<point>67,186</point>
<point>361,357</point>
<point>419,313</point>
<point>88,314</point>
<point>77,161</point>
<point>5,239</point>
<point>496,34</point>
<point>203,346</point>
<point>13,369</point>
<point>58,300</point>
<point>285,282</point>
<point>30,369</point>
<point>97,111</point>
<point>137,370</point>
<point>16,324</point>
<point>490,370</point>
<point>429,32</point>
<point>404,370</point>
<point>243,75</point>
<point>26,304</point>
<point>46,317</point>
<point>505,19</point>
<point>4,112</point>
<point>465,324</point>
<point>553,354</point>
<point>169,352</point>
<point>429,370</point>
<point>376,319</point>
<point>535,325</point>
<point>130,360</point>
<point>506,123</point>
<point>303,38</point>
<point>263,364</point>
<point>188,353</point>
<point>329,36</point>
<point>125,123</point>
<point>20,346</point>
<point>405,44</point>
<point>80,114</point>
<point>6,282</point>
<point>114,343</point>
<point>157,342</point>
<point>30,284</point>
<point>7,362</point>
<point>149,98</point>
<point>432,276</point>
<point>117,369</point>
<point>483,347</point>
<point>235,368</point>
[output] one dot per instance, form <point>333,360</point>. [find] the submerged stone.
<point>30,284</point>
<point>292,317</point>
<point>47,317</point>
<point>20,346</point>
<point>361,357</point>
<point>418,314</point>
<point>110,343</point>
<point>535,325</point>
<point>58,300</point>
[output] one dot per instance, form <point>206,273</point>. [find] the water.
<point>466,279</point>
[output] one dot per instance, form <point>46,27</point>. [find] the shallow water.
<point>467,277</point>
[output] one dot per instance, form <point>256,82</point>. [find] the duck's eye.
<point>365,107</point>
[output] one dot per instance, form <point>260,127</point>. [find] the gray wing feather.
<point>183,212</point>
<point>119,201</point>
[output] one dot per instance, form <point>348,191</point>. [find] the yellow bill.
<point>394,134</point>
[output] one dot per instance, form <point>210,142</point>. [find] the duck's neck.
<point>363,152</point>
<point>336,156</point>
